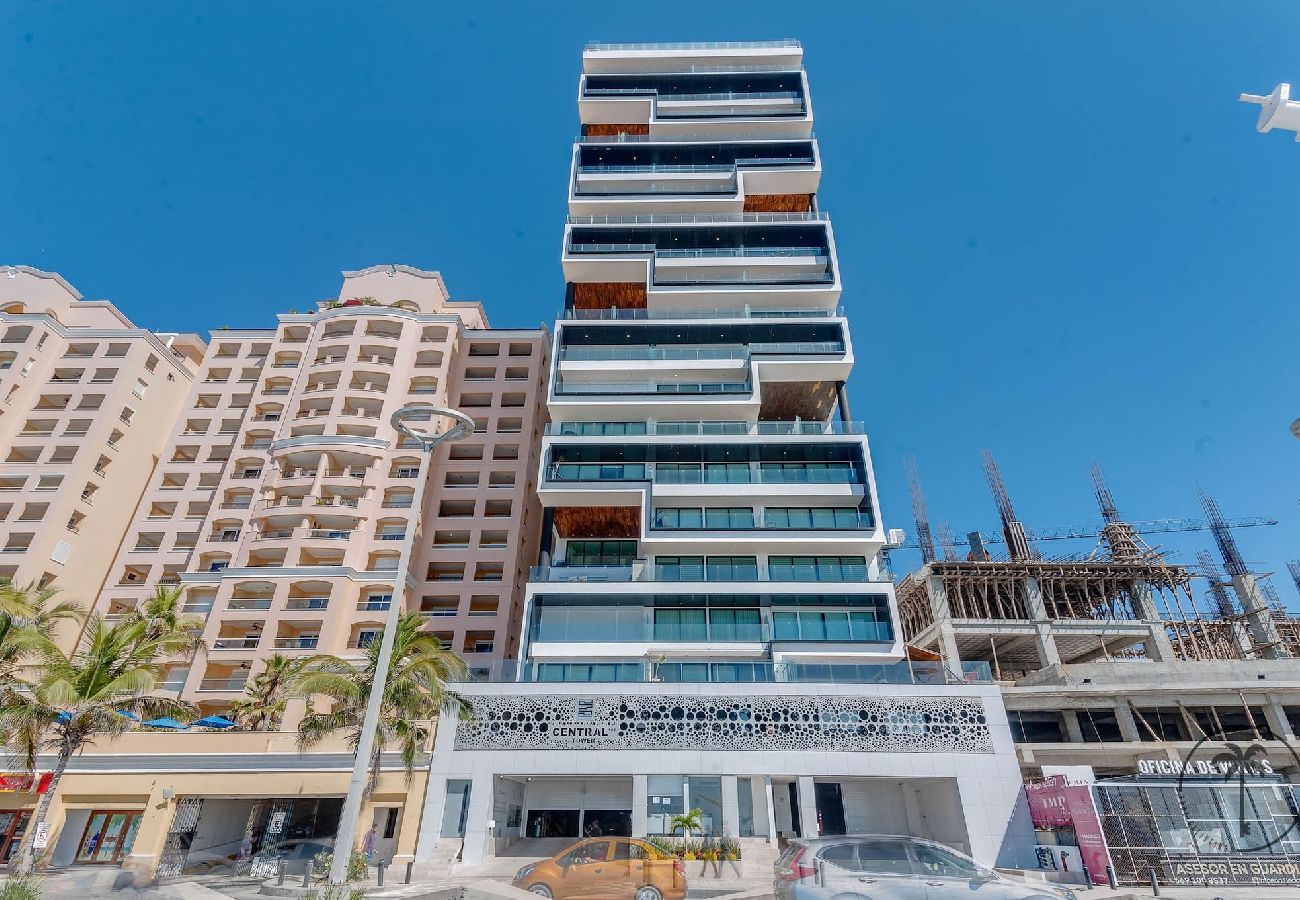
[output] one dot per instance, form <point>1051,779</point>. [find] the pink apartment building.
<point>283,492</point>
<point>260,474</point>
<point>88,403</point>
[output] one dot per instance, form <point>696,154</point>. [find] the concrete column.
<point>1259,618</point>
<point>807,807</point>
<point>640,805</point>
<point>1072,730</point>
<point>942,613</point>
<point>546,548</point>
<point>1048,654</point>
<point>769,802</point>
<point>730,807</point>
<point>1128,726</point>
<point>151,836</point>
<point>477,838</point>
<point>408,831</point>
<point>842,396</point>
<point>1277,720</point>
<point>435,802</point>
<point>916,824</point>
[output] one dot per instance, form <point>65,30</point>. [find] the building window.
<point>600,553</point>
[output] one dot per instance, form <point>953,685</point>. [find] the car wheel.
<point>649,892</point>
<point>540,890</point>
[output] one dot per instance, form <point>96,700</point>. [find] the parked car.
<point>615,868</point>
<point>893,867</point>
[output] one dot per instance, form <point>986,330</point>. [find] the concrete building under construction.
<point>1114,655</point>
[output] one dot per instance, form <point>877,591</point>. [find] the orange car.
<point>614,868</point>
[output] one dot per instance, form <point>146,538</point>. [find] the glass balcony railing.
<point>653,354</point>
<point>589,672</point>
<point>700,429</point>
<point>733,313</point>
<point>698,218</point>
<point>783,44</point>
<point>625,388</point>
<point>829,519</point>
<point>651,169</point>
<point>818,253</point>
<point>722,473</point>
<point>692,573</point>
<point>695,137</point>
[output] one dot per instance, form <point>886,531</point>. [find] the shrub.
<point>20,887</point>
<point>337,892</point>
<point>321,863</point>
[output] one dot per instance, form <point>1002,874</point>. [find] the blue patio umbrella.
<point>214,722</point>
<point>128,714</point>
<point>166,722</point>
<point>63,718</point>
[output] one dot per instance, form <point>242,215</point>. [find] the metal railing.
<point>306,603</point>
<point>828,519</point>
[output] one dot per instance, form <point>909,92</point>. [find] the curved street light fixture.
<point>462,427</point>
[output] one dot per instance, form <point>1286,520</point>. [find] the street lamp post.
<point>463,427</point>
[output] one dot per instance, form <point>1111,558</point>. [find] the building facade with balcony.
<point>88,400</point>
<point>708,600</point>
<point>279,505</point>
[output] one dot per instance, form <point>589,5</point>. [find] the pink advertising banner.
<point>1058,802</point>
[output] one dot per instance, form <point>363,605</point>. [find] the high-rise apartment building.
<point>87,400</point>
<point>284,492</point>
<point>708,600</point>
<point>279,503</point>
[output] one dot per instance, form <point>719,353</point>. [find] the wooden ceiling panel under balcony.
<point>778,203</point>
<point>606,130</point>
<point>787,401</point>
<point>598,521</point>
<point>609,295</point>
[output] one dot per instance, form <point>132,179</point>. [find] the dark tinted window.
<point>935,861</point>
<point>844,856</point>
<point>885,857</point>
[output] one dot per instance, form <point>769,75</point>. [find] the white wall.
<point>221,827</point>
<point>74,826</point>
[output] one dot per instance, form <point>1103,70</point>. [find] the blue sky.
<point>1060,236</point>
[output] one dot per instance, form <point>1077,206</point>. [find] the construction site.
<point>1024,610</point>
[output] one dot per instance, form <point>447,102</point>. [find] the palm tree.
<point>163,619</point>
<point>268,693</point>
<point>418,675</point>
<point>688,822</point>
<point>29,614</point>
<point>67,701</point>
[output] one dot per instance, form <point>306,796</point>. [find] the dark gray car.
<point>893,867</point>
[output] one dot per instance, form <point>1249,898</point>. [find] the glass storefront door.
<point>13,825</point>
<point>108,836</point>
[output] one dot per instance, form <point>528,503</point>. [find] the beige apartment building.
<point>89,399</point>
<point>279,504</point>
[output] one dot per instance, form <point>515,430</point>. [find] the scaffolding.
<point>1023,612</point>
